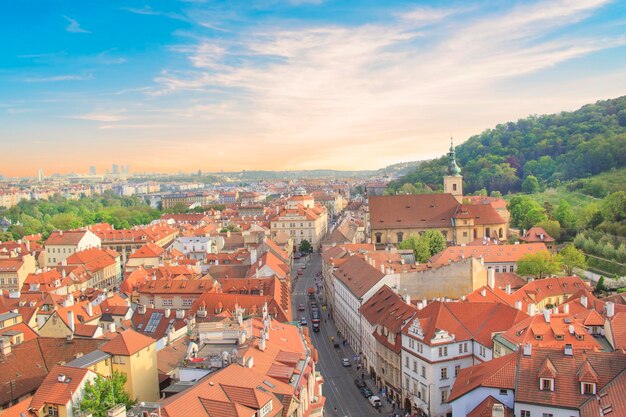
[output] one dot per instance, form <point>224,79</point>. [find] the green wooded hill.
<point>553,148</point>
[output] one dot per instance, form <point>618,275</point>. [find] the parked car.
<point>300,272</point>
<point>301,307</point>
<point>316,327</point>
<point>366,392</point>
<point>303,321</point>
<point>345,362</point>
<point>375,401</point>
<point>359,383</point>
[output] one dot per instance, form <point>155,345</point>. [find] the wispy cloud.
<point>149,11</point>
<point>57,78</point>
<point>100,117</point>
<point>395,81</point>
<point>74,26</point>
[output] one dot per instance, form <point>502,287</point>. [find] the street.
<point>339,387</point>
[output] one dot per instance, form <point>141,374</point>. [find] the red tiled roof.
<point>567,392</point>
<point>149,250</point>
<point>358,275</point>
<point>68,237</point>
<point>415,211</point>
<point>490,253</point>
<point>485,408</point>
<point>127,343</point>
<point>477,321</point>
<point>53,391</point>
<point>496,373</point>
<point>534,235</point>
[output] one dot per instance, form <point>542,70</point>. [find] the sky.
<point>174,85</point>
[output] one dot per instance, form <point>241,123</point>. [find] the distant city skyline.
<point>288,85</point>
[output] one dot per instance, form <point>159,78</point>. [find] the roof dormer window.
<point>588,388</point>
<point>546,384</point>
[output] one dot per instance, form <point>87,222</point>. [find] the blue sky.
<point>269,84</point>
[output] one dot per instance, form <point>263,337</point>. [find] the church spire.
<point>453,168</point>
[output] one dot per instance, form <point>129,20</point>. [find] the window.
<point>379,237</point>
<point>511,268</point>
<point>457,368</point>
<point>400,236</point>
<point>497,269</point>
<point>546,384</point>
<point>548,415</point>
<point>168,302</point>
<point>453,189</point>
<point>423,371</point>
<point>406,361</point>
<point>414,366</point>
<point>444,396</point>
<point>524,413</point>
<point>187,302</point>
<point>504,392</point>
<point>588,388</point>
<point>464,234</point>
<point>482,351</point>
<point>444,373</point>
<point>443,351</point>
<point>53,410</point>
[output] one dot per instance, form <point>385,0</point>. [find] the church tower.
<point>453,182</point>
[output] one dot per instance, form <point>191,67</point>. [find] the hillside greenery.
<point>552,148</point>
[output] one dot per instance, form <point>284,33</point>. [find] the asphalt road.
<point>339,388</point>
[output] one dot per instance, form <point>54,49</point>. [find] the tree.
<point>538,265</point>
<point>552,227</point>
<point>600,286</point>
<point>531,185</point>
<point>104,393</point>
<point>570,257</point>
<point>613,207</point>
<point>305,246</point>
<point>230,227</point>
<point>428,244</point>
<point>565,215</point>
<point>4,236</point>
<point>526,212</point>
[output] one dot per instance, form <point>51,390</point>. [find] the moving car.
<point>345,362</point>
<point>315,315</point>
<point>316,327</point>
<point>375,401</point>
<point>300,272</point>
<point>301,307</point>
<point>303,321</point>
<point>359,383</point>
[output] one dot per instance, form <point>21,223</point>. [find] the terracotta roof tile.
<point>127,343</point>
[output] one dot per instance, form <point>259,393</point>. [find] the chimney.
<point>583,300</point>
<point>424,302</point>
<point>497,410</point>
<point>571,329</point>
<point>168,312</point>
<point>532,309</point>
<point>566,308</point>
<point>112,327</point>
<point>5,345</point>
<point>528,349</point>
<point>610,309</point>
<point>518,305</point>
<point>141,309</point>
<point>491,278</point>
<point>546,315</point>
<point>483,292</point>
<point>180,314</point>
<point>70,321</point>
<point>262,341</point>
<point>568,350</point>
<point>508,288</point>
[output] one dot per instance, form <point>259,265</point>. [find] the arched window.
<point>453,187</point>
<point>400,236</point>
<point>379,237</point>
<point>501,233</point>
<point>487,232</point>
